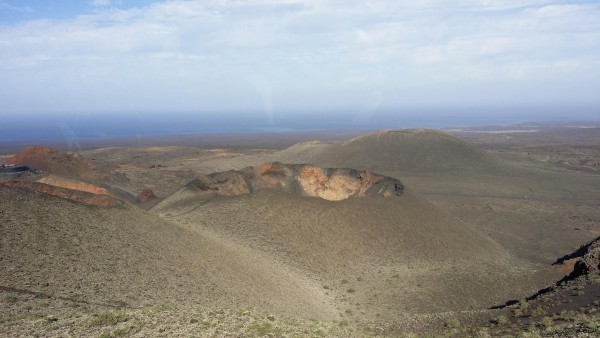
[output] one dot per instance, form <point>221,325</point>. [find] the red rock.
<point>72,184</point>
<point>68,194</point>
<point>146,195</point>
<point>53,161</point>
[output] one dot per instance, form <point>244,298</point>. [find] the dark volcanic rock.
<point>590,262</point>
<point>586,260</point>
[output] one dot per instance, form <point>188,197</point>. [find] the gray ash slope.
<point>97,257</point>
<point>400,253</point>
<point>418,150</point>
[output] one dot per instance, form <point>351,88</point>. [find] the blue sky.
<point>273,58</point>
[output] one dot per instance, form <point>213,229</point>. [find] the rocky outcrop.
<point>586,260</point>
<point>62,182</point>
<point>78,196</point>
<point>590,261</point>
<point>53,161</point>
<point>146,196</point>
<point>307,180</point>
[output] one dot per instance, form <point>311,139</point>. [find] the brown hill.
<point>70,170</point>
<point>420,150</point>
<point>375,256</point>
<point>53,161</point>
<point>87,195</point>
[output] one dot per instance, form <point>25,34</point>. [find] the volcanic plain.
<point>464,232</point>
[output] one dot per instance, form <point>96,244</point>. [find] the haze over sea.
<point>72,127</point>
<point>74,70</point>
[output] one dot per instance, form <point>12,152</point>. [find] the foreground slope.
<point>377,257</point>
<point>99,257</point>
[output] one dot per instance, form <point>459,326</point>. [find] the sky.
<point>269,59</point>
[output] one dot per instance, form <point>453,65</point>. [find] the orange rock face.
<point>62,182</point>
<point>337,186</point>
<point>72,195</point>
<point>567,267</point>
<point>53,161</point>
<point>305,180</point>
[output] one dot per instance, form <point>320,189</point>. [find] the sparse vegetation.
<point>262,328</point>
<point>500,320</point>
<point>452,323</point>
<point>481,333</point>
<point>42,295</point>
<point>108,318</point>
<point>10,299</point>
<point>538,311</point>
<point>212,254</point>
<point>547,322</point>
<point>123,332</point>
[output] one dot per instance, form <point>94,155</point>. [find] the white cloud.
<point>325,49</point>
<point>104,3</point>
<point>4,5</point>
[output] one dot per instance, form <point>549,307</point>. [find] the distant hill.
<point>73,171</point>
<point>54,162</point>
<point>418,150</point>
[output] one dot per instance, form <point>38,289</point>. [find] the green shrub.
<point>482,333</point>
<point>452,323</point>
<point>262,328</point>
<point>547,322</point>
<point>500,320</point>
<point>538,311</point>
<point>108,318</point>
<point>41,295</point>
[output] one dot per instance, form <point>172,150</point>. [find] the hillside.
<point>100,257</point>
<point>54,161</point>
<point>239,250</point>
<point>419,150</point>
<point>375,256</point>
